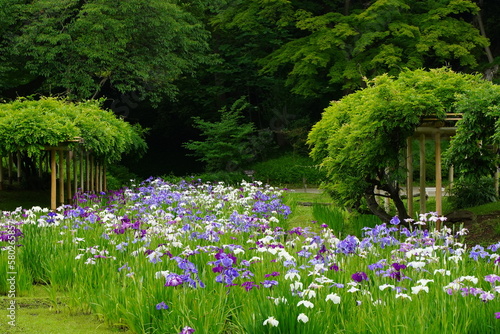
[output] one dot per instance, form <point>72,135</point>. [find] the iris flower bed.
<point>210,258</point>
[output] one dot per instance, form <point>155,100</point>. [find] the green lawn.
<point>36,314</point>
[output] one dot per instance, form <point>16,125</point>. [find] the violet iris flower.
<point>359,276</point>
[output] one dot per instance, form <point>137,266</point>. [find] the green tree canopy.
<point>30,125</point>
<point>361,139</point>
<point>338,43</point>
<point>78,47</point>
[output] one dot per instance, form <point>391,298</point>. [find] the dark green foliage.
<point>227,143</point>
<point>79,47</point>
<point>341,43</point>
<point>469,192</point>
<point>290,169</point>
<point>118,176</point>
<point>229,178</point>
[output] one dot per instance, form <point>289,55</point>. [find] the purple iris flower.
<point>249,285</point>
<point>398,266</point>
<point>395,220</point>
<point>359,276</point>
<point>187,330</point>
<point>274,273</point>
<point>162,306</point>
<point>269,283</point>
<point>173,280</point>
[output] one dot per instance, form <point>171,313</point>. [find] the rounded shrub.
<point>468,192</point>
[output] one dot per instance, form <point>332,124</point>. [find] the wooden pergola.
<point>72,169</point>
<point>437,130</point>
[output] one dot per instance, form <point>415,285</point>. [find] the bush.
<point>226,142</point>
<point>343,222</point>
<point>289,169</point>
<point>229,178</point>
<point>118,176</point>
<point>468,192</point>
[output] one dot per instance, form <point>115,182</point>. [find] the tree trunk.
<point>491,71</point>
<point>398,202</point>
<point>375,208</point>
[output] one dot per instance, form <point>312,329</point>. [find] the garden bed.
<point>177,258</point>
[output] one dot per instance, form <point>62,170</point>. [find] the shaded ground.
<point>484,229</point>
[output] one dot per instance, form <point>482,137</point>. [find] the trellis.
<point>431,128</point>
<point>72,169</point>
<point>436,130</point>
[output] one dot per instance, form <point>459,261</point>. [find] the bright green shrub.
<point>28,125</point>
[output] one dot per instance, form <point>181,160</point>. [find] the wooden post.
<point>387,204</point>
<point>96,176</point>
<point>69,157</point>
<point>61,177</point>
<point>105,185</point>
<point>82,178</point>
<point>1,172</point>
<point>18,158</point>
<point>9,169</point>
<point>451,177</point>
<point>409,179</point>
<point>439,207</point>
<point>100,178</point>
<point>422,174</point>
<point>46,162</point>
<point>87,171</point>
<point>92,174</point>
<point>497,174</point>
<point>53,180</point>
<point>75,172</point>
<point>40,165</point>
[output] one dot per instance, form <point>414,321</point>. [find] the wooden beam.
<point>430,131</point>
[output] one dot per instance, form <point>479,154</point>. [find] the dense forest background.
<point>266,68</point>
